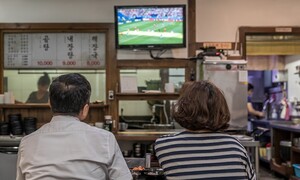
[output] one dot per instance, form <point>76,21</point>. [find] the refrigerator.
<point>231,77</point>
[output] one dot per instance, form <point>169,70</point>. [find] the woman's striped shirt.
<point>210,155</point>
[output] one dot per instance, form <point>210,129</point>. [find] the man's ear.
<point>83,114</point>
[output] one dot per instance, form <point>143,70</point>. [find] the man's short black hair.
<point>69,93</point>
<point>250,87</point>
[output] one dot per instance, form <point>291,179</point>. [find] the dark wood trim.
<point>123,137</point>
<point>34,106</point>
<point>1,62</point>
<point>192,45</point>
<point>54,26</point>
<point>147,96</point>
<point>268,30</point>
<point>150,64</point>
<point>107,28</point>
<point>191,14</point>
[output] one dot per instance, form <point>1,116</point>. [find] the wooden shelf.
<point>296,149</point>
<point>147,96</point>
<point>263,159</point>
<point>39,106</point>
<point>294,178</point>
<point>138,137</point>
<point>281,169</point>
<point>144,135</point>
<point>152,63</point>
<point>44,114</point>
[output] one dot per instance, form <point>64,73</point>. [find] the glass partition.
<point>150,114</point>
<point>143,114</point>
<point>23,82</point>
<point>155,79</point>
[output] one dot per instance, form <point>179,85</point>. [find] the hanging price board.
<point>54,50</point>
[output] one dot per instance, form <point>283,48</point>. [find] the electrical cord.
<point>158,55</point>
<point>162,51</point>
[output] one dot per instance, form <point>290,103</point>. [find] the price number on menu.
<point>93,63</point>
<point>69,63</point>
<point>45,63</point>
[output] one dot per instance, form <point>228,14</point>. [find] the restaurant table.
<point>250,144</point>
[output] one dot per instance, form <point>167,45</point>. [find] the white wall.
<point>293,79</point>
<point>218,20</point>
<point>65,10</point>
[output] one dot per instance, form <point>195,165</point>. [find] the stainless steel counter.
<point>10,141</point>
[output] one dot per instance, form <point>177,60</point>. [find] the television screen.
<point>150,27</point>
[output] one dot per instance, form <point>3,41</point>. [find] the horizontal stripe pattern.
<point>190,155</point>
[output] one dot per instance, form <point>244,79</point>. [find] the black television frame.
<point>151,46</point>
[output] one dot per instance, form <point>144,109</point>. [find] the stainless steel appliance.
<point>8,156</point>
<point>231,77</point>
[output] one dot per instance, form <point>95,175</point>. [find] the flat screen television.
<point>150,27</point>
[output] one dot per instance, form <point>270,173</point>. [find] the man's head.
<point>202,106</point>
<point>250,89</point>
<point>70,94</point>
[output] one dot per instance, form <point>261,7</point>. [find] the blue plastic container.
<point>297,169</point>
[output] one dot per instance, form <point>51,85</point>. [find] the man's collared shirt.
<point>67,148</point>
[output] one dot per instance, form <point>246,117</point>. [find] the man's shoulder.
<point>93,129</point>
<point>47,129</point>
<point>31,135</point>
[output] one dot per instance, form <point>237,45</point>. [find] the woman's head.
<point>202,106</point>
<point>43,82</point>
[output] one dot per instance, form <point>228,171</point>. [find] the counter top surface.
<point>285,125</point>
<point>6,140</point>
<point>40,105</point>
<point>150,131</point>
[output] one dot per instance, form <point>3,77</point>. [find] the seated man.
<point>202,151</point>
<point>67,148</point>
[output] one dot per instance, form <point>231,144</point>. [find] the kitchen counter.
<point>286,125</point>
<point>153,134</point>
<point>10,141</point>
<point>145,134</point>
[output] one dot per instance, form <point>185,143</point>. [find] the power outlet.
<point>111,95</point>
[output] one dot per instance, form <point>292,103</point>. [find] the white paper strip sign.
<point>43,50</point>
<point>93,49</point>
<point>17,50</point>
<point>54,50</point>
<point>69,50</point>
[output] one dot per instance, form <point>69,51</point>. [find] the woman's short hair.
<point>184,86</point>
<point>202,106</point>
<point>69,93</point>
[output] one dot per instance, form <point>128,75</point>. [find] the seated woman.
<point>202,151</point>
<point>42,94</point>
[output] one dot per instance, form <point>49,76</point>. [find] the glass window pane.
<point>145,114</point>
<point>23,82</point>
<point>155,79</point>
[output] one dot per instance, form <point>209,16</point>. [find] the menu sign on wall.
<point>54,50</point>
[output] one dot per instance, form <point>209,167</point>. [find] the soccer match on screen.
<point>147,25</point>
